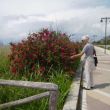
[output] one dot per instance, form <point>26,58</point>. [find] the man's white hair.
<point>85,37</point>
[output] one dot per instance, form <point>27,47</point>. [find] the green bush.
<point>41,52</point>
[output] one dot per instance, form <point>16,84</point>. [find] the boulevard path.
<point>99,97</point>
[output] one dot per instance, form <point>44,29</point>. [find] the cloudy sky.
<point>78,17</point>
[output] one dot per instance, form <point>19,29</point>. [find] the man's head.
<point>85,38</point>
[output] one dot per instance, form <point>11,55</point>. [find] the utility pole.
<point>105,19</point>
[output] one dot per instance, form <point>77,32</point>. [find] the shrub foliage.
<point>42,51</point>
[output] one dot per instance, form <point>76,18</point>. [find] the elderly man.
<point>88,61</point>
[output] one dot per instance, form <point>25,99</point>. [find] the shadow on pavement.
<point>104,85</point>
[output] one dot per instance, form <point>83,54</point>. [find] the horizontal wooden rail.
<point>23,101</point>
<point>29,84</point>
<point>52,92</point>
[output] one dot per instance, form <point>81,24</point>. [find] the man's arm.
<point>77,55</point>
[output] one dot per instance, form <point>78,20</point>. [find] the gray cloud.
<point>72,16</point>
<point>15,28</point>
<point>90,3</point>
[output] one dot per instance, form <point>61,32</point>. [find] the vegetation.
<point>42,51</point>
<point>44,56</point>
<point>102,41</point>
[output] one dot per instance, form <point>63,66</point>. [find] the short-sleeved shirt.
<point>88,49</point>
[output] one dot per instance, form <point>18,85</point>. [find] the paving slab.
<point>96,104</point>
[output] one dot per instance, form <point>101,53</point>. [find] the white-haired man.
<point>88,61</point>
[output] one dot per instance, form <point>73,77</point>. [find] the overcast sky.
<point>79,17</point>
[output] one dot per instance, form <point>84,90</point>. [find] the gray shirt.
<point>88,49</point>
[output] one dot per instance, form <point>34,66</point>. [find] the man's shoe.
<point>86,88</point>
<point>92,87</point>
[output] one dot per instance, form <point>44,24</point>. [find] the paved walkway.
<point>99,97</point>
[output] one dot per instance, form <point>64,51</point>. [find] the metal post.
<point>105,35</point>
<point>106,21</point>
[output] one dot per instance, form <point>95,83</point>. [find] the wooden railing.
<point>52,93</point>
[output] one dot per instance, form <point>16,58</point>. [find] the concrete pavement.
<point>99,97</point>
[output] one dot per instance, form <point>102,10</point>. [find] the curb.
<point>72,99</point>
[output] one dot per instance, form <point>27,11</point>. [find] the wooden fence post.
<point>53,100</point>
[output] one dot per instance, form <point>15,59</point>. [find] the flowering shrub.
<point>42,51</point>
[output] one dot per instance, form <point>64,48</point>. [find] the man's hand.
<point>72,57</point>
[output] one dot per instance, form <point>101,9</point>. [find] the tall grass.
<point>4,61</point>
<point>7,94</point>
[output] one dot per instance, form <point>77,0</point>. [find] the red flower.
<point>13,70</point>
<point>42,69</point>
<point>33,68</point>
<point>46,47</point>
